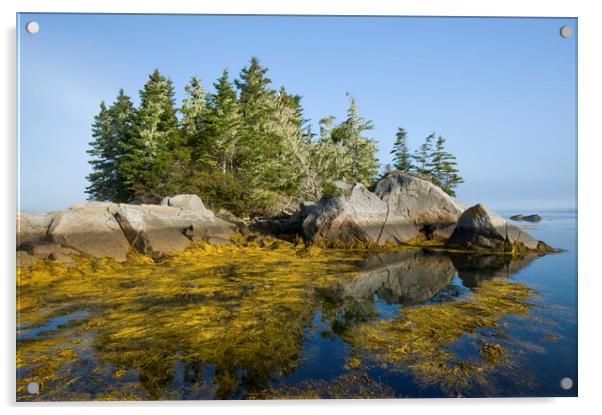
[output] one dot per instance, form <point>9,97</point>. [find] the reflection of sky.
<point>501,90</point>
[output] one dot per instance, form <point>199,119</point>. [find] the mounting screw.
<point>566,31</point>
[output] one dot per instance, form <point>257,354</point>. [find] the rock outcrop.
<point>32,228</point>
<point>433,212</point>
<point>401,208</point>
<point>481,228</point>
<point>103,229</point>
<point>360,216</point>
<point>153,230</point>
<point>90,228</point>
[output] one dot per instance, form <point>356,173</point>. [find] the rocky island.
<point>402,210</point>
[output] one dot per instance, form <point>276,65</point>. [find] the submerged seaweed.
<point>418,340</point>
<point>230,321</point>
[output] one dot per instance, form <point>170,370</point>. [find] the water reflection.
<point>472,270</point>
<point>404,278</point>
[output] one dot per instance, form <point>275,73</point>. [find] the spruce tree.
<point>356,157</point>
<point>259,144</point>
<point>195,146</point>
<point>423,157</point>
<point>112,131</point>
<point>153,156</point>
<point>444,172</point>
<point>123,117</point>
<point>297,177</point>
<point>223,123</point>
<point>401,156</point>
<point>103,168</point>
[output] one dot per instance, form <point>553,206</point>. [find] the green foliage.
<point>245,147</point>
<point>157,150</point>
<point>223,124</point>
<point>401,156</point>
<point>431,161</point>
<point>423,155</point>
<point>443,168</point>
<point>112,132</point>
<point>342,152</point>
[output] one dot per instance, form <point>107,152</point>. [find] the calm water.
<point>335,354</point>
<point>541,362</point>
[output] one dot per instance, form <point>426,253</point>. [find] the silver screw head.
<point>566,383</point>
<point>566,31</point>
<point>32,27</point>
<point>33,388</point>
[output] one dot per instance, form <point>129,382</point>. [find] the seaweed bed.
<point>229,321</point>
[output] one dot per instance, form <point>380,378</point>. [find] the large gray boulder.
<point>357,217</point>
<point>32,228</point>
<point>479,227</point>
<point>168,229</point>
<point>90,228</point>
<point>153,230</point>
<point>401,208</point>
<point>419,202</point>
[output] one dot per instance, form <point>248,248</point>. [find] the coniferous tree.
<point>402,160</point>
<point>112,131</point>
<point>356,159</point>
<point>155,152</point>
<point>252,153</point>
<point>259,144</point>
<point>195,146</point>
<point>443,171</point>
<point>224,122</point>
<point>423,157</point>
<point>103,168</point>
<point>297,175</point>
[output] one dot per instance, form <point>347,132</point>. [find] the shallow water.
<point>279,322</point>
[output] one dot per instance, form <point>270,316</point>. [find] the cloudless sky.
<point>501,90</point>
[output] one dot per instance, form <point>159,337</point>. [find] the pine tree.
<point>195,147</point>
<point>123,117</point>
<point>224,122</point>
<point>444,172</point>
<point>401,156</point>
<point>423,157</point>
<point>101,178</point>
<point>260,145</point>
<point>356,158</point>
<point>153,157</point>
<point>298,178</point>
<point>112,131</point>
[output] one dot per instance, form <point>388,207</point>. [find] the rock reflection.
<point>473,270</point>
<point>406,278</point>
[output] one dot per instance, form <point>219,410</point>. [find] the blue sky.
<point>501,90</point>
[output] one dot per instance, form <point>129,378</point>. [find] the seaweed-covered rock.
<point>479,227</point>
